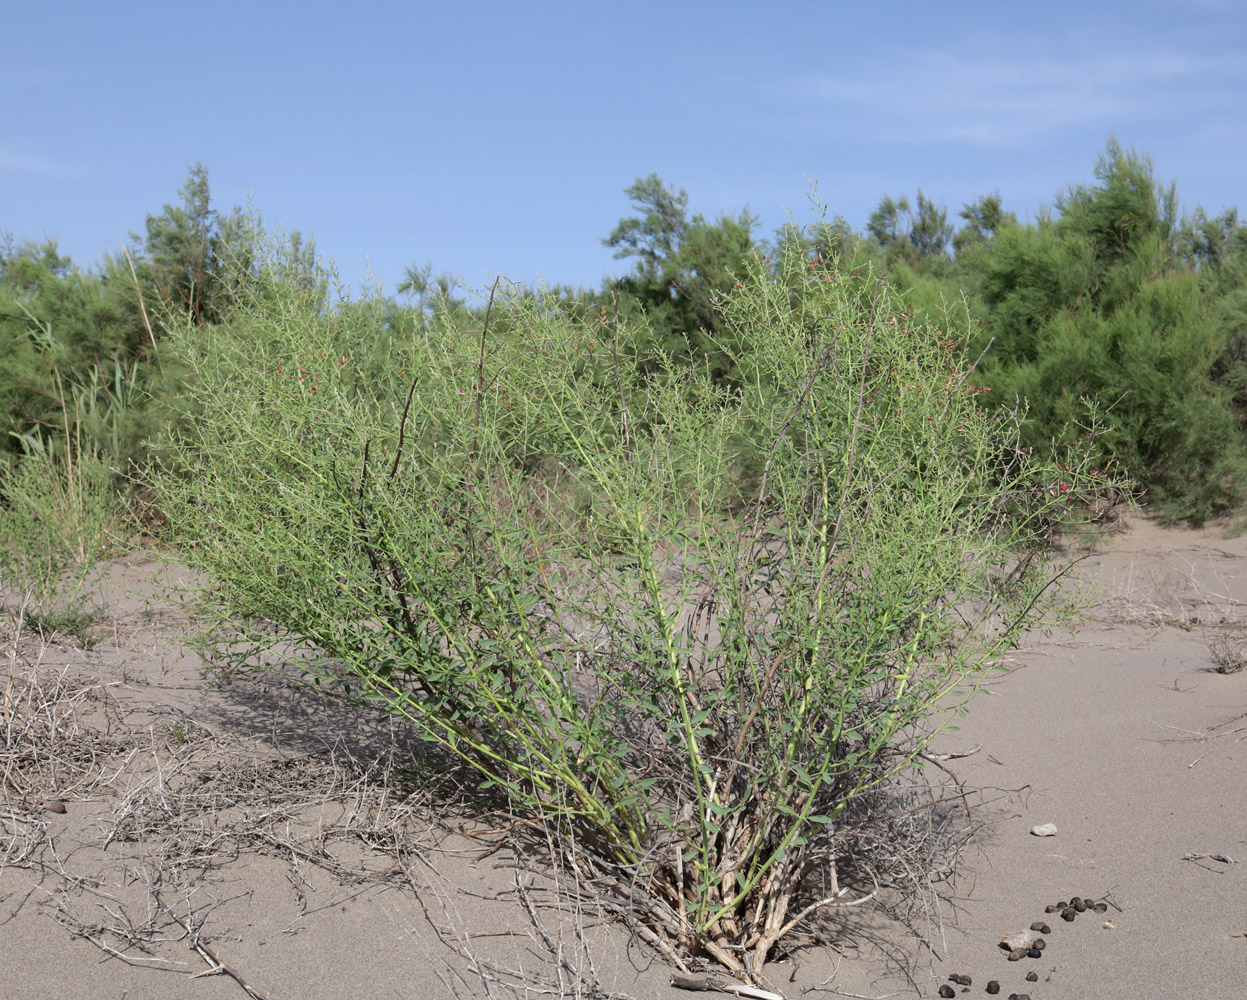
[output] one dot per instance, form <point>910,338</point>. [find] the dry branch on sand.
<point>170,803</point>
<point>1178,595</point>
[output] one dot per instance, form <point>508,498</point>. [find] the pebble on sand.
<point>1044,830</point>
<point>1022,939</point>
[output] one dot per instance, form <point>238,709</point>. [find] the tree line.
<point>1112,302</point>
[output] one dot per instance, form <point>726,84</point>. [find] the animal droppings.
<point>1041,927</point>
<point>1032,977</point>
<point>960,980</point>
<point>1069,913</point>
<point>947,991</point>
<point>993,987</point>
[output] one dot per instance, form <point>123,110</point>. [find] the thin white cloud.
<point>921,97</point>
<point>1207,6</point>
<point>12,162</point>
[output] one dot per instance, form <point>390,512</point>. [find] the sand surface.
<point>264,829</point>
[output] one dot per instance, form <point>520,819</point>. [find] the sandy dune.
<point>267,827</point>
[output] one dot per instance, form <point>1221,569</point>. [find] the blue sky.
<point>497,138</point>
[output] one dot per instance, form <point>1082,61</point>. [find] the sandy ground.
<point>165,830</point>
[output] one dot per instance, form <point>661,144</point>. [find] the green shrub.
<point>74,355</point>
<point>58,511</point>
<point>538,557</point>
<point>1149,363</point>
<point>1096,306</point>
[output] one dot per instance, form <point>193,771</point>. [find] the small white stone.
<point>1022,939</point>
<point>1044,830</point>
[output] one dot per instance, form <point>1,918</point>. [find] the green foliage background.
<point>1112,298</point>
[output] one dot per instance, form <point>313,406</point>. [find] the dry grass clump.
<point>1184,599</point>
<point>158,805</point>
<point>47,754</point>
<point>1228,649</point>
